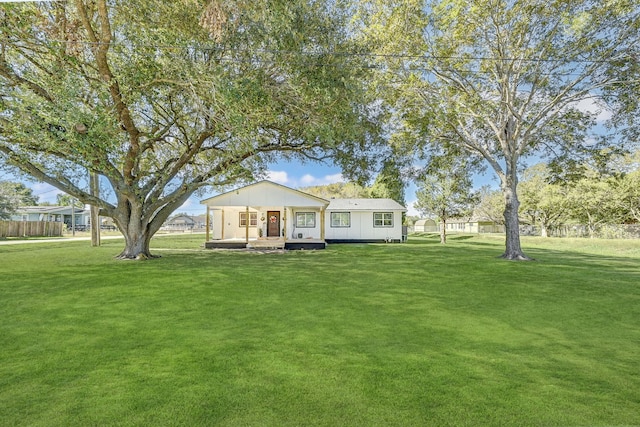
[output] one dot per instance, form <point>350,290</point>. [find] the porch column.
<point>284,224</point>
<point>321,223</point>
<point>222,226</point>
<point>247,224</point>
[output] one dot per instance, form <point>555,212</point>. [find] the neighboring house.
<point>64,214</point>
<point>425,226</point>
<point>266,214</point>
<point>474,225</point>
<point>185,222</point>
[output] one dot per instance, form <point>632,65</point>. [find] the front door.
<point>273,223</point>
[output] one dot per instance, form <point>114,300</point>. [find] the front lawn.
<point>412,334</point>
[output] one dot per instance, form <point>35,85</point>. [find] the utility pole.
<point>73,216</point>
<point>94,188</point>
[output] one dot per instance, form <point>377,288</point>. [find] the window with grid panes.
<point>383,219</point>
<point>305,219</point>
<point>253,219</point>
<point>340,219</point>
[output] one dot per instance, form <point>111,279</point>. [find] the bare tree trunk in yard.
<point>443,231</point>
<point>513,250</point>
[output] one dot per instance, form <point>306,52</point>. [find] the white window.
<point>253,219</point>
<point>305,219</point>
<point>383,219</point>
<point>340,219</point>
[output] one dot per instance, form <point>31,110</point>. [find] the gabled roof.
<point>365,205</point>
<point>265,193</point>
<point>185,218</point>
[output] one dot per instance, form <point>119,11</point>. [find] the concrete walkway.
<point>60,239</point>
<point>75,239</point>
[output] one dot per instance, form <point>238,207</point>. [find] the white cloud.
<point>308,180</point>
<point>280,177</point>
<point>330,179</point>
<point>595,106</point>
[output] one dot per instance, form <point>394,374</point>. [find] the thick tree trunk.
<point>138,227</point>
<point>513,250</point>
<point>136,247</point>
<point>137,232</point>
<point>443,231</point>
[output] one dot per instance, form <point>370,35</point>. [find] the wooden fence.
<point>30,228</point>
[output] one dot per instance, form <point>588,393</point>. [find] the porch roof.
<point>265,193</point>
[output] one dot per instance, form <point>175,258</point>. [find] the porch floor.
<point>268,243</point>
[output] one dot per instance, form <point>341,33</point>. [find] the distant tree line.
<point>597,198</point>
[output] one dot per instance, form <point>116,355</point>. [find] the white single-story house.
<point>266,214</point>
<point>65,214</point>
<point>474,225</point>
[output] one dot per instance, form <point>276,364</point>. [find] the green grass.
<point>356,335</point>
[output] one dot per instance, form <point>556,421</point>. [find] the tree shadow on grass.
<point>460,237</point>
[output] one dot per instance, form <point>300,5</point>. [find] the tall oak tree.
<point>502,80</point>
<point>159,99</point>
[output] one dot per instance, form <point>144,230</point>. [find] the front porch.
<point>265,215</point>
<point>267,243</point>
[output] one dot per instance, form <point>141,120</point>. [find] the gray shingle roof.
<point>364,205</point>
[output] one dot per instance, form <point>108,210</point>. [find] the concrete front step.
<point>266,244</point>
